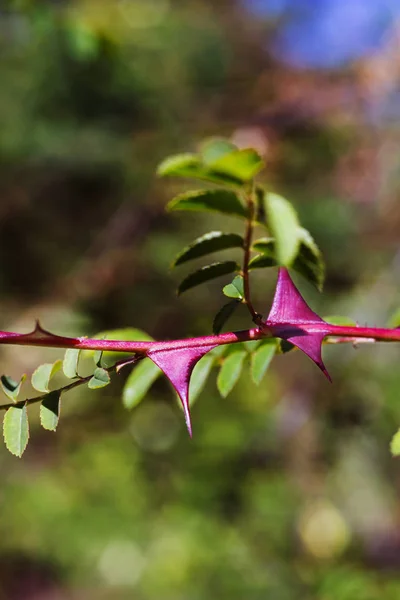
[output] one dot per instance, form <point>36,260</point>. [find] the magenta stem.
<point>44,338</point>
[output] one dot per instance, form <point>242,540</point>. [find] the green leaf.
<point>230,372</point>
<point>16,429</point>
<point>223,315</point>
<point>395,444</point>
<point>235,289</point>
<point>127,334</point>
<point>199,377</point>
<point>250,347</point>
<point>214,149</point>
<point>284,226</point>
<point>50,411</point>
<point>394,320</point>
<point>261,359</point>
<point>309,261</point>
<point>210,242</point>
<point>284,347</point>
<point>339,320</point>
<point>41,376</point>
<point>139,382</point>
<point>100,379</point>
<point>265,245</point>
<point>178,165</point>
<point>240,164</point>
<point>207,273</point>
<point>97,357</point>
<point>10,387</point>
<point>261,262</point>
<point>124,334</point>
<point>222,201</point>
<point>191,166</point>
<point>70,363</point>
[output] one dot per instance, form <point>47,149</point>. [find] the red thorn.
<point>177,364</point>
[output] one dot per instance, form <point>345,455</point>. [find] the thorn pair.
<point>290,319</point>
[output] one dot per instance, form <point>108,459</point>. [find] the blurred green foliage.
<point>287,490</point>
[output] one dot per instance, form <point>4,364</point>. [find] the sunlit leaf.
<point>70,363</point>
<point>394,320</point>
<point>395,444</point>
<point>265,245</point>
<point>50,411</point>
<point>10,387</point>
<point>16,429</point>
<point>284,226</point>
<point>199,376</point>
<point>339,320</point>
<point>309,261</point>
<point>210,242</point>
<point>191,166</point>
<point>235,289</point>
<point>207,273</point>
<point>139,382</point>
<point>261,358</point>
<point>230,372</point>
<point>241,164</point>
<point>41,377</point>
<point>124,334</point>
<point>223,315</point>
<point>100,379</point>
<point>222,201</point>
<point>213,149</point>
<point>261,262</point>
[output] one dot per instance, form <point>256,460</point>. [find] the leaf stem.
<point>257,318</point>
<point>70,386</point>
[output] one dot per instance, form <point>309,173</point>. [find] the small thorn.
<point>188,419</point>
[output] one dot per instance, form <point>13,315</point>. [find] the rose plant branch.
<point>236,193</point>
<point>290,319</point>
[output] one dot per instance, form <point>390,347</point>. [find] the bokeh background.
<point>287,491</point>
